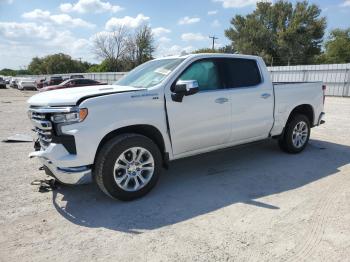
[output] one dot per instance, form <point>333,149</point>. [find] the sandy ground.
<point>252,203</point>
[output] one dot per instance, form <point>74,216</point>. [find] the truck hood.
<point>71,96</point>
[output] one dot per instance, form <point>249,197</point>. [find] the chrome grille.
<point>40,117</point>
<point>42,127</point>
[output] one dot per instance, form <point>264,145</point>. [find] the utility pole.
<point>213,38</point>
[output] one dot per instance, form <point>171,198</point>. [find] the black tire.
<point>286,140</point>
<point>107,157</point>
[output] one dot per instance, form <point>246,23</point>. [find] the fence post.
<point>346,90</point>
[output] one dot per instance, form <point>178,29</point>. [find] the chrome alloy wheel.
<point>133,169</point>
<point>300,134</point>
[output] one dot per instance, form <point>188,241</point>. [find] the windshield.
<point>150,74</point>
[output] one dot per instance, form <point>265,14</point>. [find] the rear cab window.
<point>240,72</point>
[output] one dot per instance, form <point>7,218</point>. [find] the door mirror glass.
<point>184,88</point>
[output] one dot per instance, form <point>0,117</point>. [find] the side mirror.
<point>184,88</point>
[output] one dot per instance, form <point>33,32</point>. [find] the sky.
<point>30,28</point>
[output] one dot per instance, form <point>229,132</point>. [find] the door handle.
<point>221,100</point>
<point>265,95</point>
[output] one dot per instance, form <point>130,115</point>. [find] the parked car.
<point>167,109</point>
<point>40,83</point>
<point>26,84</point>
<point>2,82</point>
<point>78,82</point>
<point>53,80</point>
<point>75,76</point>
<point>7,80</point>
<point>13,82</point>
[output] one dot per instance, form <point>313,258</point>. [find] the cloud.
<point>20,42</point>
<point>346,3</point>
<point>127,21</point>
<point>60,19</point>
<point>90,6</point>
<point>215,23</point>
<point>213,12</point>
<point>160,31</point>
<point>192,37</point>
<point>238,3</point>
<point>14,30</point>
<point>36,14</point>
<point>188,20</point>
<point>164,39</point>
<point>173,50</point>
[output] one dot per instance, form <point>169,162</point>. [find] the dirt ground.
<point>252,203</point>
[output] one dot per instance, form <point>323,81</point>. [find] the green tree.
<point>281,33</point>
<point>225,49</point>
<point>57,64</point>
<point>8,72</point>
<point>337,47</point>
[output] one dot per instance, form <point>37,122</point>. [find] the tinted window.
<point>241,73</point>
<point>79,82</point>
<point>89,81</point>
<point>205,72</point>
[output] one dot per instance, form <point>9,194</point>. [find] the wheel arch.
<point>149,131</point>
<point>304,109</point>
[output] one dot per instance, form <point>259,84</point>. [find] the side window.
<point>241,73</point>
<point>205,72</point>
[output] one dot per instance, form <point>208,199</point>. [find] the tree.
<point>337,47</point>
<point>140,47</point>
<point>57,64</point>
<point>122,50</point>
<point>226,49</point>
<point>111,46</point>
<point>144,44</point>
<point>281,33</point>
<point>8,72</point>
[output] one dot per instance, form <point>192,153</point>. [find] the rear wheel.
<point>296,134</point>
<point>128,166</point>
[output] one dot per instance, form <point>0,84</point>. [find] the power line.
<point>213,38</point>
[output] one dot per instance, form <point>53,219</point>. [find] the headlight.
<point>70,118</point>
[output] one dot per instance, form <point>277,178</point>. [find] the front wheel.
<point>296,135</point>
<point>128,166</point>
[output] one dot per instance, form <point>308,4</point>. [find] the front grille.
<point>42,127</point>
<point>41,120</point>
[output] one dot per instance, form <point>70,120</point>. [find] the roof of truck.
<point>204,55</point>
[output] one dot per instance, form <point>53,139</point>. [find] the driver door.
<point>201,120</point>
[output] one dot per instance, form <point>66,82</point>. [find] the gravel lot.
<point>252,203</point>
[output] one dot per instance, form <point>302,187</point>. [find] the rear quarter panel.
<point>289,96</point>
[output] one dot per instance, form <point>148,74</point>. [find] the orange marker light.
<point>83,112</point>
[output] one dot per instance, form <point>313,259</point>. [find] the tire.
<point>296,134</point>
<point>117,170</point>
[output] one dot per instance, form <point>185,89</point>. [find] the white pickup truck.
<point>121,135</point>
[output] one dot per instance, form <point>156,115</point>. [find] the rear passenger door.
<point>251,98</point>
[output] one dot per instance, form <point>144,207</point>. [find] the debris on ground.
<point>45,185</point>
<point>18,138</point>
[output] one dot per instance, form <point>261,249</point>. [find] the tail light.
<point>324,87</point>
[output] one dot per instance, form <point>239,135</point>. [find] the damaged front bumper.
<point>66,175</point>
